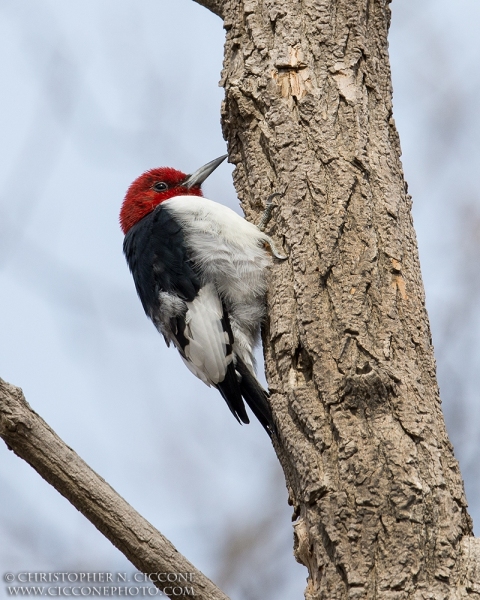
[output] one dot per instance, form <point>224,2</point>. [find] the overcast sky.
<point>94,93</point>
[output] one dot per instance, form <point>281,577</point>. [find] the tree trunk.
<point>378,497</point>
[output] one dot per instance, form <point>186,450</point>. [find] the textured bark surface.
<point>216,6</point>
<point>32,439</point>
<point>377,493</point>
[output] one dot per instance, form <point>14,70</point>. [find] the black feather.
<point>256,397</point>
<point>230,391</point>
<point>157,256</point>
<point>158,259</point>
<point>245,385</point>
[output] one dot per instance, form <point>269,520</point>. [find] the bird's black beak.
<point>202,173</point>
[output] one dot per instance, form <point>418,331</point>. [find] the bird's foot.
<point>267,215</point>
<point>269,208</point>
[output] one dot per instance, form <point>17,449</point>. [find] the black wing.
<point>157,257</point>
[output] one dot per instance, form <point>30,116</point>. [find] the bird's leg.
<point>269,207</point>
<point>267,215</point>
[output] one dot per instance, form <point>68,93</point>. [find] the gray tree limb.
<point>216,6</point>
<point>32,439</point>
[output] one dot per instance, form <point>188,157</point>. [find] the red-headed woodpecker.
<point>201,274</point>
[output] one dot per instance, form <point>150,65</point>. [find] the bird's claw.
<point>273,249</point>
<point>267,215</point>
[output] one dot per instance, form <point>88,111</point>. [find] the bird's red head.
<point>151,189</point>
<point>157,185</point>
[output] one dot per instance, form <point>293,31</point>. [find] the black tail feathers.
<point>256,397</point>
<point>232,395</point>
<point>240,384</point>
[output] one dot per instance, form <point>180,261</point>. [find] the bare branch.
<point>32,439</point>
<point>216,6</point>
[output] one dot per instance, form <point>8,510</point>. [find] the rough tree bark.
<point>378,497</point>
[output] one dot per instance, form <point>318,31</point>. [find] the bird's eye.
<point>160,186</point>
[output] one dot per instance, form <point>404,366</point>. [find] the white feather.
<point>206,352</point>
<point>171,306</point>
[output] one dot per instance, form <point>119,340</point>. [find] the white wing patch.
<point>171,306</point>
<point>206,353</point>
